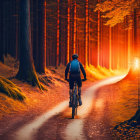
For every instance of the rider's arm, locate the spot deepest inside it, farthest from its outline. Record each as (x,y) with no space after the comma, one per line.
(67,70)
(83,70)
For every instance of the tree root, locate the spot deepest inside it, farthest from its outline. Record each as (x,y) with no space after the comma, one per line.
(46,80)
(37,82)
(31,78)
(10,89)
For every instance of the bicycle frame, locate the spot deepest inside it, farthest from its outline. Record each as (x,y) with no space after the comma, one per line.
(74,99)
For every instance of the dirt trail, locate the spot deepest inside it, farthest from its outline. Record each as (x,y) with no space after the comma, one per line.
(74,130)
(28,131)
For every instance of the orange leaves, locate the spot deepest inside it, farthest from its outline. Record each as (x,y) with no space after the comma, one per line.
(116,10)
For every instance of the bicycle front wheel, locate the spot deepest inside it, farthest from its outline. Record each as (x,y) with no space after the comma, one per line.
(73,111)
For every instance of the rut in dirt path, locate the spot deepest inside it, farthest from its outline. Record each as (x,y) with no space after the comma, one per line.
(74,130)
(28,131)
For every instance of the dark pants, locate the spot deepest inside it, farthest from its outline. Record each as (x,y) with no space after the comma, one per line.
(73,78)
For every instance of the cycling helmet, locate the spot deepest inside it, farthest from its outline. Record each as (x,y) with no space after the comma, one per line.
(74,56)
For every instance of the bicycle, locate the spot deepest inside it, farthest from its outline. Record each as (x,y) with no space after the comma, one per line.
(75,99)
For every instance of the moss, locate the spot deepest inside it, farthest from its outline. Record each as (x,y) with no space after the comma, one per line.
(36,81)
(30,77)
(10,89)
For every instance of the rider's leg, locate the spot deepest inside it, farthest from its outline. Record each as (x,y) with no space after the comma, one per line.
(79,91)
(79,81)
(71,84)
(70,93)
(79,94)
(70,96)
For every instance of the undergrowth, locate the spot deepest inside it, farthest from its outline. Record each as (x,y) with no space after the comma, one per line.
(10,89)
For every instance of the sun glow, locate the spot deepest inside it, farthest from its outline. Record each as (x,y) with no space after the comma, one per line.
(136,63)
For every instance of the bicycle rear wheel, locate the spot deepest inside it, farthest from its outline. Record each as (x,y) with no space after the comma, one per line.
(73,106)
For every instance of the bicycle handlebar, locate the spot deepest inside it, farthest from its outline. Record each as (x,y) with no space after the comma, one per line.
(84,80)
(81,79)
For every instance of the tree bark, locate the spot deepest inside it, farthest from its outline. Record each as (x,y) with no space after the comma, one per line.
(86,34)
(58,33)
(26,68)
(35,33)
(98,46)
(129,47)
(5,28)
(110,49)
(17,29)
(1,33)
(135,54)
(41,36)
(75,20)
(89,40)
(68,32)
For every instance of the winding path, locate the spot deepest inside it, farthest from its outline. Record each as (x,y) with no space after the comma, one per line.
(77,124)
(74,129)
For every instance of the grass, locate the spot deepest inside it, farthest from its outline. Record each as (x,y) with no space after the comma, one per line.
(10,89)
(9,106)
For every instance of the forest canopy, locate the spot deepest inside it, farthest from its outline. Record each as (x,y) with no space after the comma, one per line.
(116,10)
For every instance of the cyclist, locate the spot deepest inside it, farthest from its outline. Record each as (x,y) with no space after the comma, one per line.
(74,69)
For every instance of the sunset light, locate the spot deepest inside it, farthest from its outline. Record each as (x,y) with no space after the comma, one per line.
(99,104)
(136,63)
(69,69)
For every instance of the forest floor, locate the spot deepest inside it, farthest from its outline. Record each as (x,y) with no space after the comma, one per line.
(111,105)
(12,111)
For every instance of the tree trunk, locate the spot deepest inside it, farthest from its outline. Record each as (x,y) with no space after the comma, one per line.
(68,32)
(5,27)
(35,33)
(26,68)
(1,33)
(110,54)
(135,54)
(129,47)
(12,29)
(101,43)
(89,28)
(41,36)
(75,20)
(60,31)
(86,35)
(98,46)
(58,34)
(17,29)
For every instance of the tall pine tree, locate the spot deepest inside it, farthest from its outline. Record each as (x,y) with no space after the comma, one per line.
(26,68)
